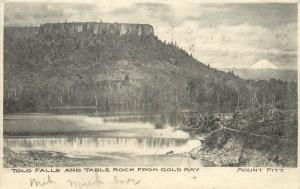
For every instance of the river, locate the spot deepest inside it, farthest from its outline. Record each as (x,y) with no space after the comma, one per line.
(98,142)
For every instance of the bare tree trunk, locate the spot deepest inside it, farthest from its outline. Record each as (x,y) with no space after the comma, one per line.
(238,103)
(96,101)
(61,99)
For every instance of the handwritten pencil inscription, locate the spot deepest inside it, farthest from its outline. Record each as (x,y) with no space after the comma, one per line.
(76,183)
(38,183)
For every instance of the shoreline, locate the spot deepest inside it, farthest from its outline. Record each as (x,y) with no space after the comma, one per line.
(231,157)
(232,143)
(37,159)
(224,143)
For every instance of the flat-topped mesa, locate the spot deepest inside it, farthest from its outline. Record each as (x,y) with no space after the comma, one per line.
(98,28)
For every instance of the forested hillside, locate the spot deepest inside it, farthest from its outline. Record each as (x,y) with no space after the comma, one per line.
(129,72)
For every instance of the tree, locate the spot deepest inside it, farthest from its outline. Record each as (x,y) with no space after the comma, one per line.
(126,79)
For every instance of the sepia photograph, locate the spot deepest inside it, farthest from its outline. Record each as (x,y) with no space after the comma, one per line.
(150,84)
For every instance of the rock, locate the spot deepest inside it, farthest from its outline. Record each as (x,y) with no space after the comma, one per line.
(277,159)
(170,152)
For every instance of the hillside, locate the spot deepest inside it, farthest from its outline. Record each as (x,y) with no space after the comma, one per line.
(255,137)
(120,67)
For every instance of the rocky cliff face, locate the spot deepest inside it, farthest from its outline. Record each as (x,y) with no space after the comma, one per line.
(99,28)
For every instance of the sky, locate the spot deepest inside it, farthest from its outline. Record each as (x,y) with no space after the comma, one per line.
(224,35)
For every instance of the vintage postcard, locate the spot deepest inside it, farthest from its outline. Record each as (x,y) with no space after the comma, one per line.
(149,94)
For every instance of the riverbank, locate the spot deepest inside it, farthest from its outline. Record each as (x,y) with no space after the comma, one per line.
(250,138)
(37,159)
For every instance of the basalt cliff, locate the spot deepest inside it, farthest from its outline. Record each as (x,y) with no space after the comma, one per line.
(98,28)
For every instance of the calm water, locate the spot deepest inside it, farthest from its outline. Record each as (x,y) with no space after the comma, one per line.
(98,143)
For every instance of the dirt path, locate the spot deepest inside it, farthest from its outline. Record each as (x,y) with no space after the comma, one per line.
(256,134)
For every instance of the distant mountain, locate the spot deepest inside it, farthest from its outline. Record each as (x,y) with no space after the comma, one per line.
(117,67)
(265,74)
(264,64)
